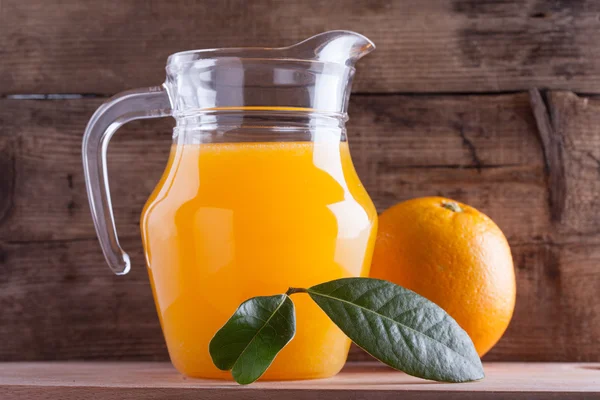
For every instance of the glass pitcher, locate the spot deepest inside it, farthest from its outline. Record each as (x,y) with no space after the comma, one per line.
(259,194)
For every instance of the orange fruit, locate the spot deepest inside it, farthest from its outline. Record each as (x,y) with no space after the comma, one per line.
(453,255)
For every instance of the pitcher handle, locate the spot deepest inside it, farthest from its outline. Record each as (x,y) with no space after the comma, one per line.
(126,106)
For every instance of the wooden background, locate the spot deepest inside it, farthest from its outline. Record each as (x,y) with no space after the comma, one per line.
(489,102)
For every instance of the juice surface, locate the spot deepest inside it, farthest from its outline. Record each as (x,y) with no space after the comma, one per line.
(230,221)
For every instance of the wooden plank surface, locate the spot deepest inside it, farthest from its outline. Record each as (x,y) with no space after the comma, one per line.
(423,45)
(485,150)
(479,149)
(367,381)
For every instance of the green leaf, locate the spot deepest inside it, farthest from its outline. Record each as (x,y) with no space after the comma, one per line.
(400,328)
(249,341)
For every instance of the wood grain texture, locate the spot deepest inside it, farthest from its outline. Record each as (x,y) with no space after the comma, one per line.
(109,381)
(58,300)
(575,121)
(423,46)
(552,145)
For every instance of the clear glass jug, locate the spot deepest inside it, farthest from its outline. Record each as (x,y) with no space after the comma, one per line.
(259,194)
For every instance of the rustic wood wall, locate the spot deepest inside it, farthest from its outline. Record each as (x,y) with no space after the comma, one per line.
(448,105)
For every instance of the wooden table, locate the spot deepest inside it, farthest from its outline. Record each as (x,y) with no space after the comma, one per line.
(147,380)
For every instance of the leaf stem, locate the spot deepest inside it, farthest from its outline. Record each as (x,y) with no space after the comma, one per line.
(293,290)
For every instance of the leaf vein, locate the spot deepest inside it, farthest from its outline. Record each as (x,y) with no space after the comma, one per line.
(390,319)
(259,331)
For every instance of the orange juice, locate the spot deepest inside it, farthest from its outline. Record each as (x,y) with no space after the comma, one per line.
(230,221)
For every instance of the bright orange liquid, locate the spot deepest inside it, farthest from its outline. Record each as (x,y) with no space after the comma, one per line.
(231,221)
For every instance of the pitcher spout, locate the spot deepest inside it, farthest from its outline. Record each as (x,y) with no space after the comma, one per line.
(340,47)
